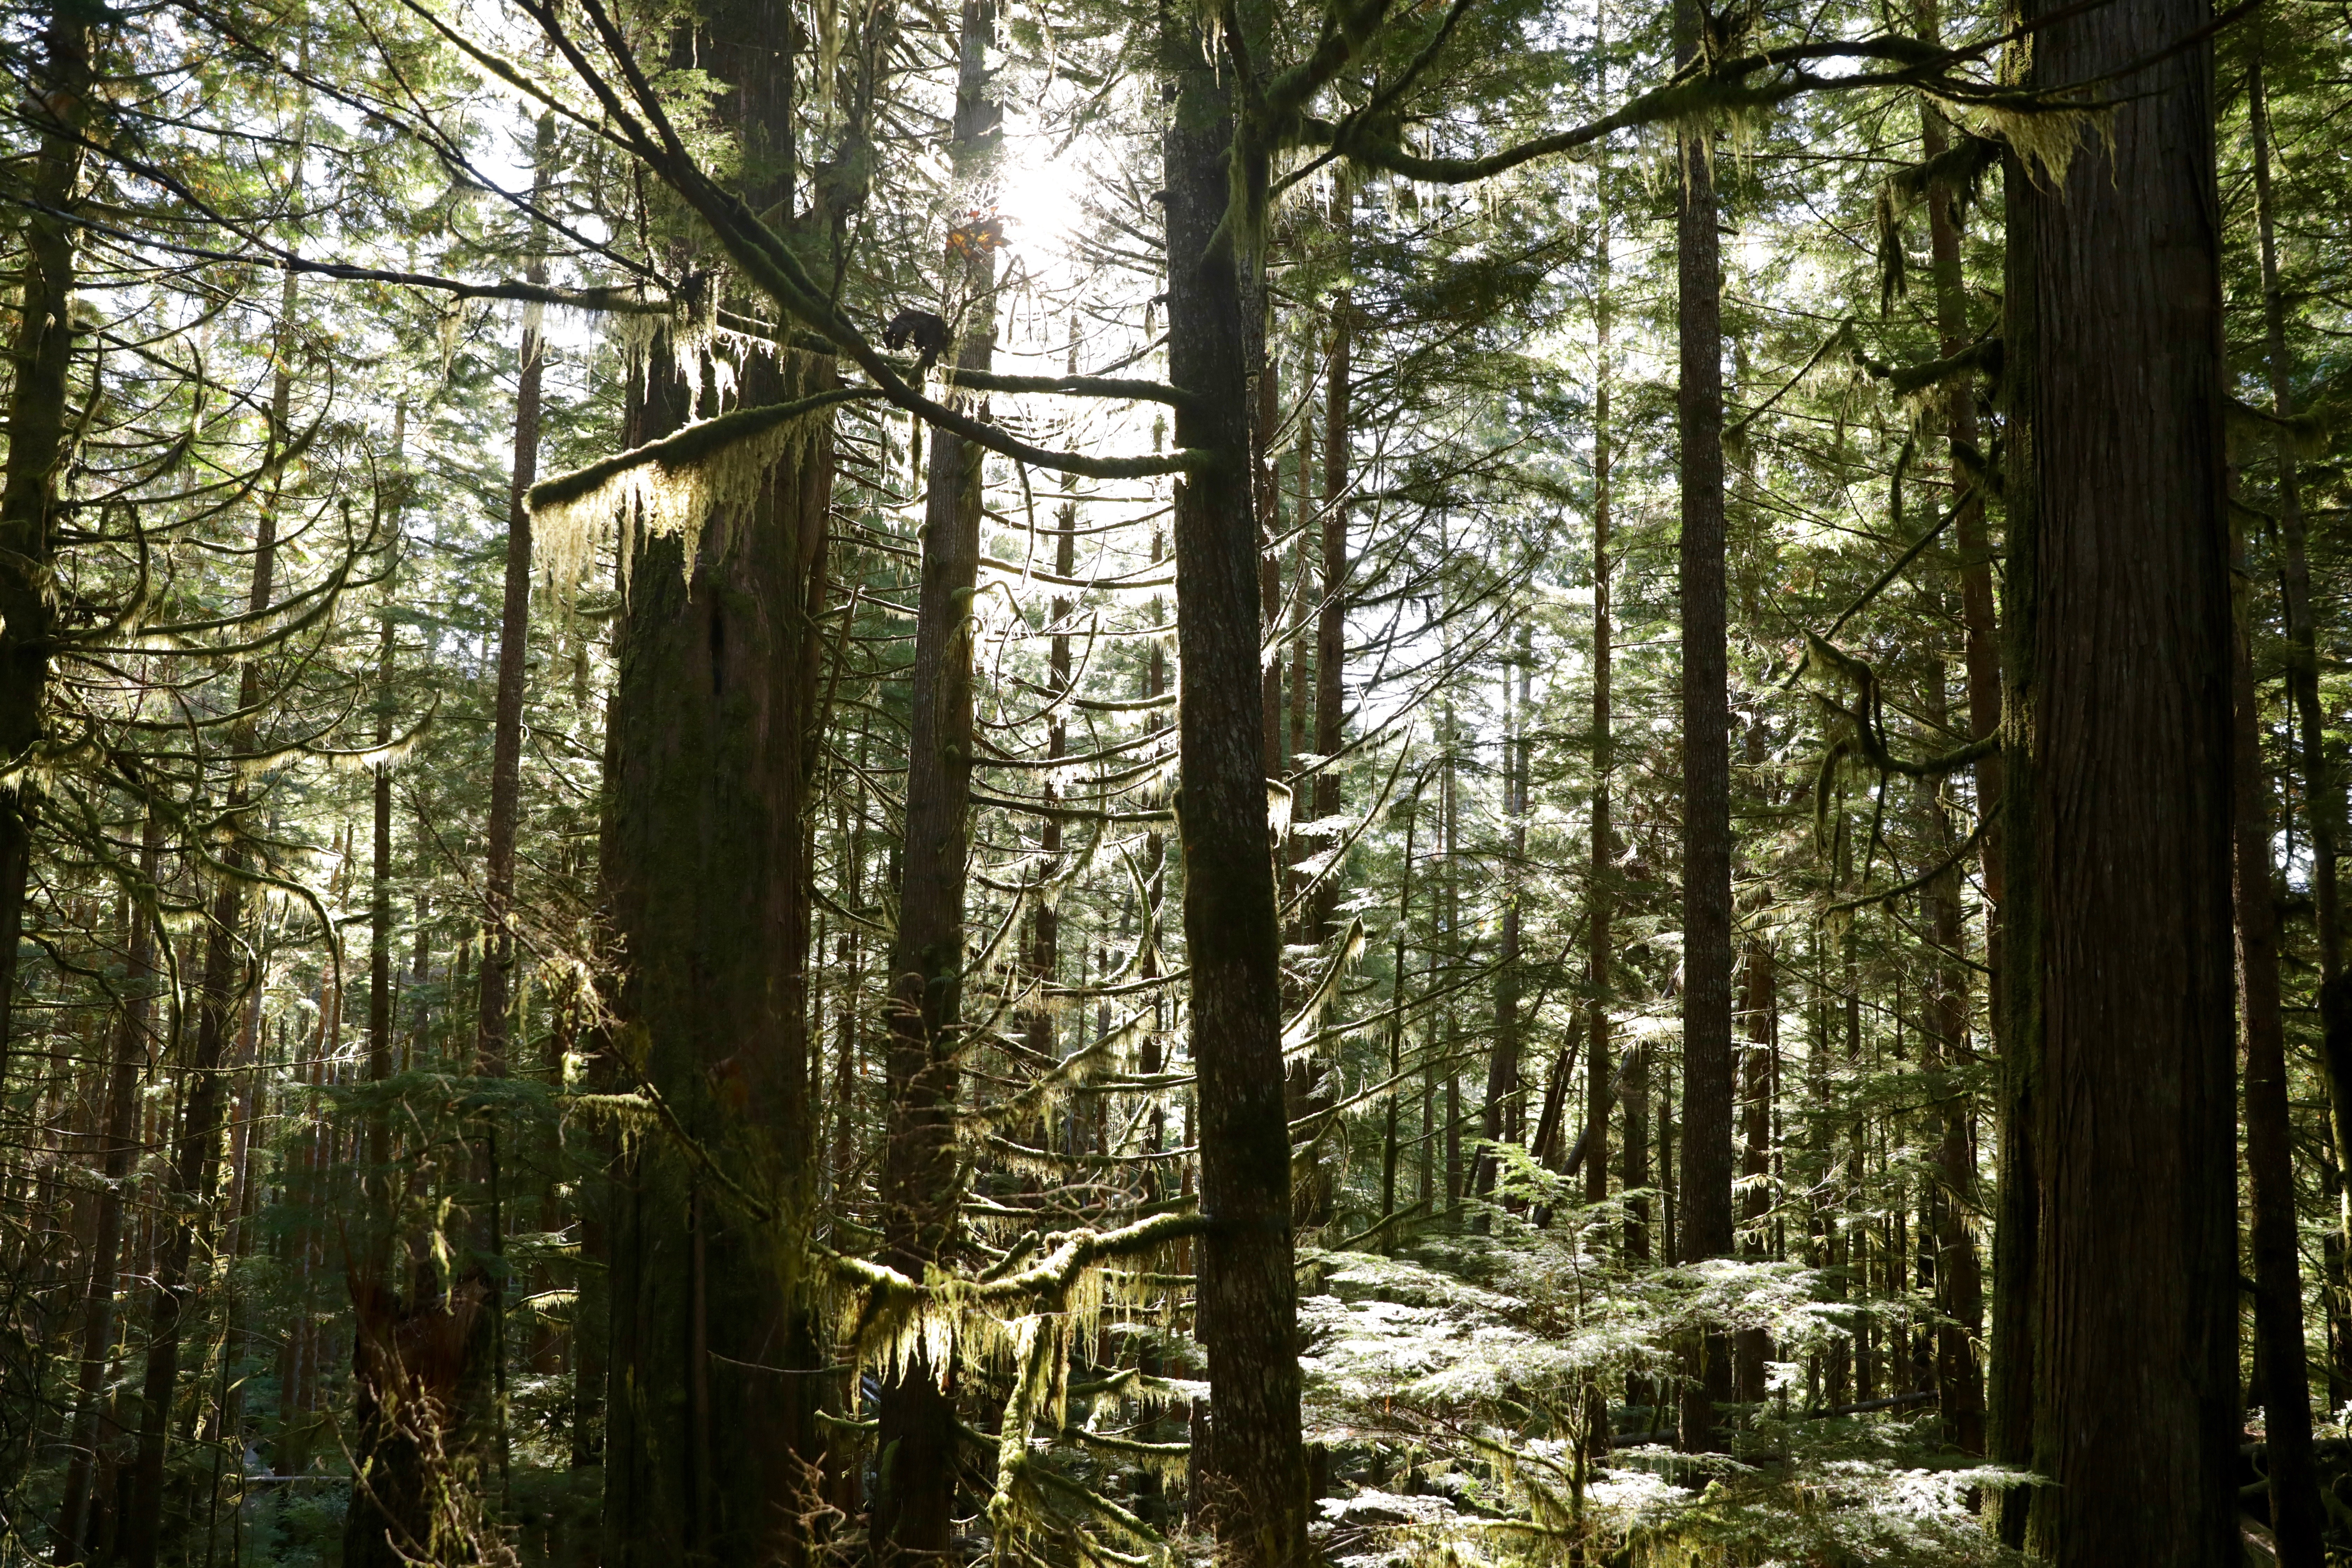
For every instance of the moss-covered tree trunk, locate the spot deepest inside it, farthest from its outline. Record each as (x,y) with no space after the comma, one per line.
(41,420)
(710,1432)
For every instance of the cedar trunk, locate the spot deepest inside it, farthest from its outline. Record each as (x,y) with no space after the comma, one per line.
(709,1413)
(2118,809)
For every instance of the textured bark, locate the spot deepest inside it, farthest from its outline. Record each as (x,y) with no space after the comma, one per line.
(710,1414)
(2118,809)
(1705,1184)
(1254,1483)
(41,420)
(2282,1376)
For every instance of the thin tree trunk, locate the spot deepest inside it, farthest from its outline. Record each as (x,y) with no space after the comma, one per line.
(1601,892)
(496,999)
(2282,1375)
(1331,616)
(1705,1228)
(913,1505)
(2117,807)
(195,1170)
(1958,1273)
(121,1148)
(1254,1480)
(1502,1058)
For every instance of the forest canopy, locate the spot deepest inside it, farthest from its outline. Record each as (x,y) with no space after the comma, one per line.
(1273,782)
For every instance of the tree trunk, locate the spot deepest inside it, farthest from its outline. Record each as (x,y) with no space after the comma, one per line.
(41,422)
(2117,807)
(913,1504)
(196,1168)
(709,1417)
(118,1141)
(1502,1086)
(495,997)
(1254,1483)
(1705,1184)
(2282,1375)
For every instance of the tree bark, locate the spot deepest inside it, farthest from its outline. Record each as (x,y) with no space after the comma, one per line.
(496,991)
(41,421)
(2117,807)
(917,1468)
(195,1171)
(118,1142)
(1706,1229)
(2282,1375)
(711,1411)
(1254,1483)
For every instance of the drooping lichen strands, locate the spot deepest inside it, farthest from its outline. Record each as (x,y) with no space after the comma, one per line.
(671,486)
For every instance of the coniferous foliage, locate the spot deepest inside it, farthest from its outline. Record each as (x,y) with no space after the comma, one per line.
(1522,781)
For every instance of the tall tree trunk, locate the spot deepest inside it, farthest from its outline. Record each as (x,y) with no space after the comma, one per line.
(1601,891)
(913,1506)
(710,1414)
(1253,1477)
(2117,807)
(495,995)
(2322,793)
(117,1139)
(1705,1184)
(1751,1347)
(195,1170)
(41,421)
(1958,1273)
(1502,1058)
(2282,1375)
(1331,616)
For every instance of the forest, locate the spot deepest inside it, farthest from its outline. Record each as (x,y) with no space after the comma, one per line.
(1388,784)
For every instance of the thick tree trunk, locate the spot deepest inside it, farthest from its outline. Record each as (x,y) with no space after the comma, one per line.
(918,1463)
(709,1417)
(41,421)
(1705,1228)
(2117,807)
(1253,1485)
